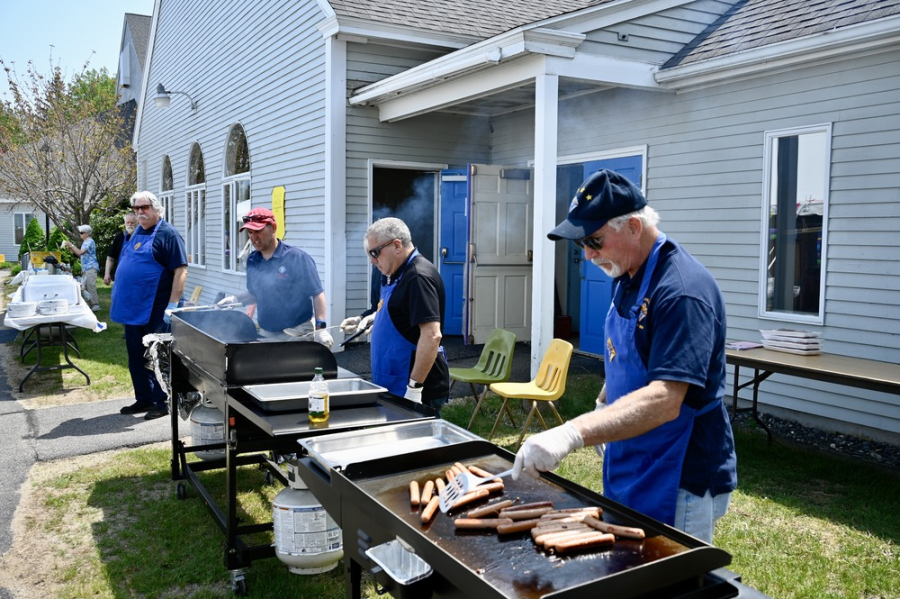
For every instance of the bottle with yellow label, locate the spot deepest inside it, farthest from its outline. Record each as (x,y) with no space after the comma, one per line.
(318,398)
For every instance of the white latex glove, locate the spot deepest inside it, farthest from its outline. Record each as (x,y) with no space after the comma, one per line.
(355,323)
(324,337)
(545,451)
(414,395)
(227,300)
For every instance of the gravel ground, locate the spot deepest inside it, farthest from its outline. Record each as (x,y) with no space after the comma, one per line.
(866,450)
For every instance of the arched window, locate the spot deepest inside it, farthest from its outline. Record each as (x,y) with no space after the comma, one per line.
(195,208)
(167,191)
(236,201)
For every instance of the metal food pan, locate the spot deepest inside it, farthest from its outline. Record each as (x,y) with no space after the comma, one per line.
(281,397)
(342,449)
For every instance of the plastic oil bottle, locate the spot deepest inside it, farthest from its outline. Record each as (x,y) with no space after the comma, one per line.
(318,399)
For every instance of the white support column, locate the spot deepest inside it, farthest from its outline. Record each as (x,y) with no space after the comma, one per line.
(546,108)
(335,267)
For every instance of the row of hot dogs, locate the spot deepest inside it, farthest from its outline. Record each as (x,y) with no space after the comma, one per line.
(559,530)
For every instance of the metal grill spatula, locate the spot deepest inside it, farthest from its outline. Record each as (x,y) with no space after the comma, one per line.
(463,483)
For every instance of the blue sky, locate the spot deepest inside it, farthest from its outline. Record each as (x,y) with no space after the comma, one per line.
(75,29)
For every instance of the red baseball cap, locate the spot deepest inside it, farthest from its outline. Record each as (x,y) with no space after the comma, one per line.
(257,219)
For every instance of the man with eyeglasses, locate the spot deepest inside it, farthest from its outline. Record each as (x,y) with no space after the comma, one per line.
(150,276)
(406,353)
(669,448)
(283,282)
(89,265)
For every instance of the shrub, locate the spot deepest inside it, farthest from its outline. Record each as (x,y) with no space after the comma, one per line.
(33,240)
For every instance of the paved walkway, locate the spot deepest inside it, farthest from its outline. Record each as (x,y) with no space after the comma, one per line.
(30,436)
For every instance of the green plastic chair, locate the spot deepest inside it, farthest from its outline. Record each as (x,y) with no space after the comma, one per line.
(494,366)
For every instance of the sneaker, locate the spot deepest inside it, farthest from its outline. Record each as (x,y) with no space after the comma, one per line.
(155,413)
(95,308)
(136,408)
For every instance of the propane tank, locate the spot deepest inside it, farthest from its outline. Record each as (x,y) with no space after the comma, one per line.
(307,539)
(207,427)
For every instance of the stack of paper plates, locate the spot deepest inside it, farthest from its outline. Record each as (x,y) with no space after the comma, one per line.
(805,343)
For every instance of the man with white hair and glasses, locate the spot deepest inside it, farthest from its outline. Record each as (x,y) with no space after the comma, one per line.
(669,445)
(149,282)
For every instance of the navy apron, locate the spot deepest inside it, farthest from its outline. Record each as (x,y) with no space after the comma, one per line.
(391,351)
(137,279)
(642,473)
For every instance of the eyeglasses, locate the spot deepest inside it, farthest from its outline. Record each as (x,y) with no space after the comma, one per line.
(142,207)
(592,243)
(257,219)
(376,251)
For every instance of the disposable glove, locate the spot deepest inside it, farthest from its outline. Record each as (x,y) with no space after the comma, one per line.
(324,337)
(414,395)
(355,323)
(167,318)
(227,300)
(545,451)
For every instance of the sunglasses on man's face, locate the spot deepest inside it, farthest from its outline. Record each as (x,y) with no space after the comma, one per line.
(142,207)
(375,252)
(592,243)
(257,219)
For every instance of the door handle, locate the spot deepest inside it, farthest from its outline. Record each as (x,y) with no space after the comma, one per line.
(443,252)
(530,255)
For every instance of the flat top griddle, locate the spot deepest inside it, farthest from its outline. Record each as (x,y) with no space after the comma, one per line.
(512,565)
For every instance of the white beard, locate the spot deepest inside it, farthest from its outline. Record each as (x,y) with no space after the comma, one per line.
(611,269)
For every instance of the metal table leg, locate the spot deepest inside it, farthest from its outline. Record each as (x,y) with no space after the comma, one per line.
(758,377)
(64,342)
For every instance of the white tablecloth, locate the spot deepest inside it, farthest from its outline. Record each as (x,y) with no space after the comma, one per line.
(78,315)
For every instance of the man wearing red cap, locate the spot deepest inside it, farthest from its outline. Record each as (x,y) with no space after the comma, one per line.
(669,445)
(284,283)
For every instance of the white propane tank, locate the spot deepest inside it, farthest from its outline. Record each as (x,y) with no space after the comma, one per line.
(207,427)
(306,537)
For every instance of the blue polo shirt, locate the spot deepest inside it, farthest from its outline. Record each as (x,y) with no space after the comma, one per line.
(283,286)
(682,338)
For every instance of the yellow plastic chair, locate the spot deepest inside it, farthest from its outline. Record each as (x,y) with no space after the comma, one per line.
(494,366)
(195,296)
(548,386)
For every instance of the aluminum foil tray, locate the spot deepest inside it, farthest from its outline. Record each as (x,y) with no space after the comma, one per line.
(294,396)
(338,450)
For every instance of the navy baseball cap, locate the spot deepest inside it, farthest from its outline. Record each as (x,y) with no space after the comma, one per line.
(600,198)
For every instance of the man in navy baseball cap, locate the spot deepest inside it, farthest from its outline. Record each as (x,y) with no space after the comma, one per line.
(600,198)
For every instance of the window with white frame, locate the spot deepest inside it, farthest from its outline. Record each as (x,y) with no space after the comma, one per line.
(236,201)
(195,209)
(794,224)
(167,192)
(20,224)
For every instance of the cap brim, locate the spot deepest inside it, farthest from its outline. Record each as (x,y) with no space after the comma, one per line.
(575,229)
(254,226)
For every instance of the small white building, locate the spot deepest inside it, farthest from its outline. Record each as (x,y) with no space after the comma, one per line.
(765,133)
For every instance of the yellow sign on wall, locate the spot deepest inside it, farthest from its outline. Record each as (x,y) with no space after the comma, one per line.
(37,258)
(278,210)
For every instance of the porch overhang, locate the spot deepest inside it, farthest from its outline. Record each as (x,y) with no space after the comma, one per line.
(505,62)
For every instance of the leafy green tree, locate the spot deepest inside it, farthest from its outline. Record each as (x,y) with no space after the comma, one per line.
(63,145)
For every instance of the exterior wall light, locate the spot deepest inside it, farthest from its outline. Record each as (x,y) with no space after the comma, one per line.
(163,97)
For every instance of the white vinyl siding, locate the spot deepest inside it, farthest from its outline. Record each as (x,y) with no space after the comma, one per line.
(260,64)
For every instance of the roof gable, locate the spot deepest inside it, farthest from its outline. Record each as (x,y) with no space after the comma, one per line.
(139,26)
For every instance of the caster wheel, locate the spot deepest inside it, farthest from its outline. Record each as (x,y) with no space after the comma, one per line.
(180,491)
(239,587)
(270,479)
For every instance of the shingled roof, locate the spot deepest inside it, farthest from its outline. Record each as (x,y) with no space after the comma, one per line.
(461,17)
(139,25)
(753,24)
